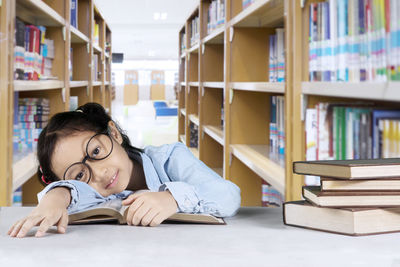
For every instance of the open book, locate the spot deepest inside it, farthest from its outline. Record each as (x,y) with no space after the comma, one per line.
(114,211)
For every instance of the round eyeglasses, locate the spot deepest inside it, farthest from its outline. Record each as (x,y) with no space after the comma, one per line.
(98,147)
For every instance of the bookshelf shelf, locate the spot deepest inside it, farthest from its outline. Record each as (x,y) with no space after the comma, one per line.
(78,37)
(365,90)
(215,37)
(220,171)
(256,158)
(183,83)
(194,118)
(195,151)
(219,85)
(39,13)
(73,84)
(24,167)
(107,55)
(96,83)
(37,85)
(215,132)
(96,49)
(195,84)
(387,91)
(183,55)
(106,83)
(183,111)
(182,138)
(259,14)
(266,87)
(194,49)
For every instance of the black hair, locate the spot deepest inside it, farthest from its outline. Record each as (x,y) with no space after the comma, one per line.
(88,117)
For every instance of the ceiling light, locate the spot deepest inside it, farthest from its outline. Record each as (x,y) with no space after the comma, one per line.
(156,15)
(164,16)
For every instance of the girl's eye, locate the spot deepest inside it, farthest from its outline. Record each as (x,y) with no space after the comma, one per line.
(96,152)
(79,176)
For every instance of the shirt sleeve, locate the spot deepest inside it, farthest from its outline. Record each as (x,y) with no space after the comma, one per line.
(83,196)
(198,189)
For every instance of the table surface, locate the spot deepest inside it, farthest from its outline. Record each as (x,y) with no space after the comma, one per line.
(254,237)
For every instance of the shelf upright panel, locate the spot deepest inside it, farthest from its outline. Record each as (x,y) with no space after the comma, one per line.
(249,91)
(80,54)
(226,124)
(7,17)
(291,128)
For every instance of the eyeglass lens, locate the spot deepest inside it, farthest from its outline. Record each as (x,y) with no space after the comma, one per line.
(99,147)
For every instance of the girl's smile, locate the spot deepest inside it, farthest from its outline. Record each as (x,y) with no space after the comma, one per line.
(113,181)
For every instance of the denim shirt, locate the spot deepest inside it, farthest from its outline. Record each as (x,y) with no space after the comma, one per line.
(195,187)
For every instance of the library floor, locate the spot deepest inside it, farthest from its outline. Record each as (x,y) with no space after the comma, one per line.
(141,125)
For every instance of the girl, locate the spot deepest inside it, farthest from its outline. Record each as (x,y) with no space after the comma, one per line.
(86,159)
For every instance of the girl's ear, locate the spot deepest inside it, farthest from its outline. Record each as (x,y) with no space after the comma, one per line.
(114,133)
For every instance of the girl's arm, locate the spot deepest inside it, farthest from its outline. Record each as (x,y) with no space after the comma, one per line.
(51,210)
(198,189)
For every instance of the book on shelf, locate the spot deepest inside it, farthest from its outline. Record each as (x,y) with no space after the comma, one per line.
(353,131)
(74,13)
(354,41)
(32,115)
(350,169)
(277,56)
(215,15)
(194,30)
(270,196)
(277,126)
(194,135)
(114,211)
(348,221)
(96,33)
(247,3)
(33,53)
(340,199)
(330,184)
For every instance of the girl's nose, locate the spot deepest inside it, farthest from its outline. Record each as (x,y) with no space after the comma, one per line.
(99,171)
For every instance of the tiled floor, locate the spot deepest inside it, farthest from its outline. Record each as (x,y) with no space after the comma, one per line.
(141,125)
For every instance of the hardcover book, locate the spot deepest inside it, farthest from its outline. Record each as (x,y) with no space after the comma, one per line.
(328,184)
(350,169)
(348,221)
(351,198)
(114,211)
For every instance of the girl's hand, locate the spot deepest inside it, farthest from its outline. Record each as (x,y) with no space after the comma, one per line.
(51,210)
(150,208)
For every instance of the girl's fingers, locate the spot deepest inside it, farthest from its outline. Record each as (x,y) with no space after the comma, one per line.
(29,223)
(157,220)
(15,228)
(140,213)
(132,209)
(63,223)
(148,217)
(130,199)
(44,226)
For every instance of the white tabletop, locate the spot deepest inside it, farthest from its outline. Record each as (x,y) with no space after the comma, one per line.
(254,237)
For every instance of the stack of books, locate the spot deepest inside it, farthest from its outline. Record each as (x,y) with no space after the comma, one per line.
(33,114)
(356,197)
(33,54)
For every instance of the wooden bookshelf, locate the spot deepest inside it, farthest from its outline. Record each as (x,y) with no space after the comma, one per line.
(21,86)
(20,169)
(225,84)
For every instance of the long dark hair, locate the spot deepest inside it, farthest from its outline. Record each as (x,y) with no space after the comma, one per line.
(89,117)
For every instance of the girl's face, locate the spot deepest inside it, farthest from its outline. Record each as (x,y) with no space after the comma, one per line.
(110,175)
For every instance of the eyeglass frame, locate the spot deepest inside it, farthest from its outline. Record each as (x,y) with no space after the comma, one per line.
(90,158)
